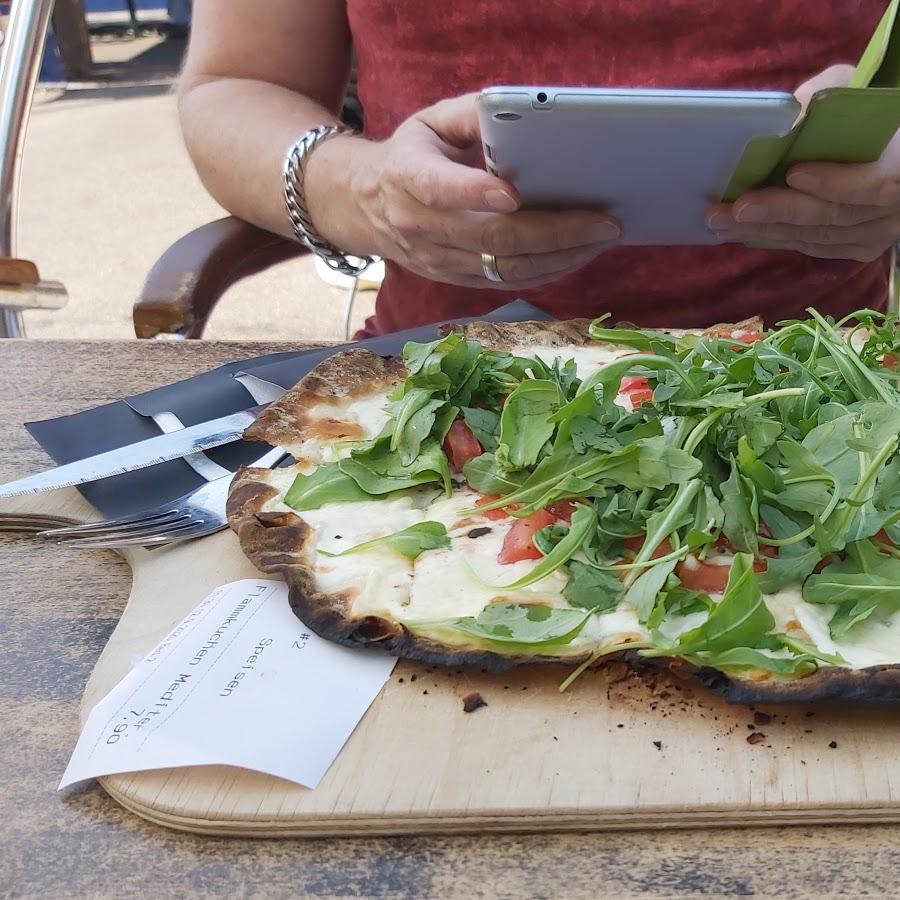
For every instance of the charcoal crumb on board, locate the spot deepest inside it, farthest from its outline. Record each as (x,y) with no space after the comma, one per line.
(761,718)
(473,701)
(413,676)
(833,745)
(756,738)
(658,745)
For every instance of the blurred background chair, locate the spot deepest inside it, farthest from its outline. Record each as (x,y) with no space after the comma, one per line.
(186,282)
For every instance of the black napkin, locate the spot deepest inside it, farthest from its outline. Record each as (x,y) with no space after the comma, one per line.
(198,399)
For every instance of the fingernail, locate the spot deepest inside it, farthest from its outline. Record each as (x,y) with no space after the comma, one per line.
(604,231)
(752,213)
(803,182)
(501,201)
(720,220)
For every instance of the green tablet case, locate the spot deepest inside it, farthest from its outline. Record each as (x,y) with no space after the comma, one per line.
(845,124)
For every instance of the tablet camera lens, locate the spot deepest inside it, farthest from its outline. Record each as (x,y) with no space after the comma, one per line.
(541,97)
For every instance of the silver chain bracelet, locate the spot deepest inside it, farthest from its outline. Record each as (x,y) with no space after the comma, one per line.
(295,200)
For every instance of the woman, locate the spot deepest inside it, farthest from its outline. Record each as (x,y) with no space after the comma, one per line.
(260,76)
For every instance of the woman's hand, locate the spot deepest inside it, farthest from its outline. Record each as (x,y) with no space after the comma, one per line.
(828,210)
(419,199)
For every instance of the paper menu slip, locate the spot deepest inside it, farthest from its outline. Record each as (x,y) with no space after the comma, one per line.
(239,682)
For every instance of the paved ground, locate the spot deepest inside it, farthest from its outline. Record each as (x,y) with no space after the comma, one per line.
(107,186)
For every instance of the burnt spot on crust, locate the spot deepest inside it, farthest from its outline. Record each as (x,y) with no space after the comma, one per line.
(247,495)
(340,379)
(874,685)
(273,541)
(333,429)
(373,629)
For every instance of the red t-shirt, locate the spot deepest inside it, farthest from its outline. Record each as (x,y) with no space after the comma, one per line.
(412,53)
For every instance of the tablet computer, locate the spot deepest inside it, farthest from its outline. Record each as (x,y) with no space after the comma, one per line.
(655,159)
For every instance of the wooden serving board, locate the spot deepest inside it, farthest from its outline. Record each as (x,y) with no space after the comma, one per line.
(612,752)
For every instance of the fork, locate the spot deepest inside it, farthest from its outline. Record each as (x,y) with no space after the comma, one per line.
(193,515)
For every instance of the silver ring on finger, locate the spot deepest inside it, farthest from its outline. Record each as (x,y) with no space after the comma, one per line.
(489,264)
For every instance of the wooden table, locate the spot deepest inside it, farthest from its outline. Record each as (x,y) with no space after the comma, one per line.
(57,609)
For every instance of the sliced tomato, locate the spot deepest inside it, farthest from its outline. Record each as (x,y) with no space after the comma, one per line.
(637,389)
(518,543)
(562,510)
(495,514)
(709,577)
(461,445)
(768,550)
(723,545)
(635,543)
(890,360)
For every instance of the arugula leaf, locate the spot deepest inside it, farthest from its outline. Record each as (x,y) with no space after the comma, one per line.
(591,433)
(762,433)
(751,658)
(327,484)
(485,425)
(484,476)
(754,468)
(805,648)
(828,443)
(795,561)
(584,520)
(379,470)
(590,588)
(849,614)
(806,481)
(739,504)
(640,339)
(410,542)
(740,618)
(643,593)
(518,623)
(664,523)
(549,536)
(724,400)
(651,462)
(678,602)
(839,587)
(414,418)
(858,585)
(524,423)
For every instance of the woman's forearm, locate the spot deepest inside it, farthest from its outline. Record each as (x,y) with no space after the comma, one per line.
(256,77)
(237,132)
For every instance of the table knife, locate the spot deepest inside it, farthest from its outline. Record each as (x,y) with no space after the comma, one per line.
(149,452)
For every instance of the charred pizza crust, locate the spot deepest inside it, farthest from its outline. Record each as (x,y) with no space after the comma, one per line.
(337,381)
(277,542)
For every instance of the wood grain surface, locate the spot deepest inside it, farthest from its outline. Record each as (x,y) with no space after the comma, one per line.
(57,609)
